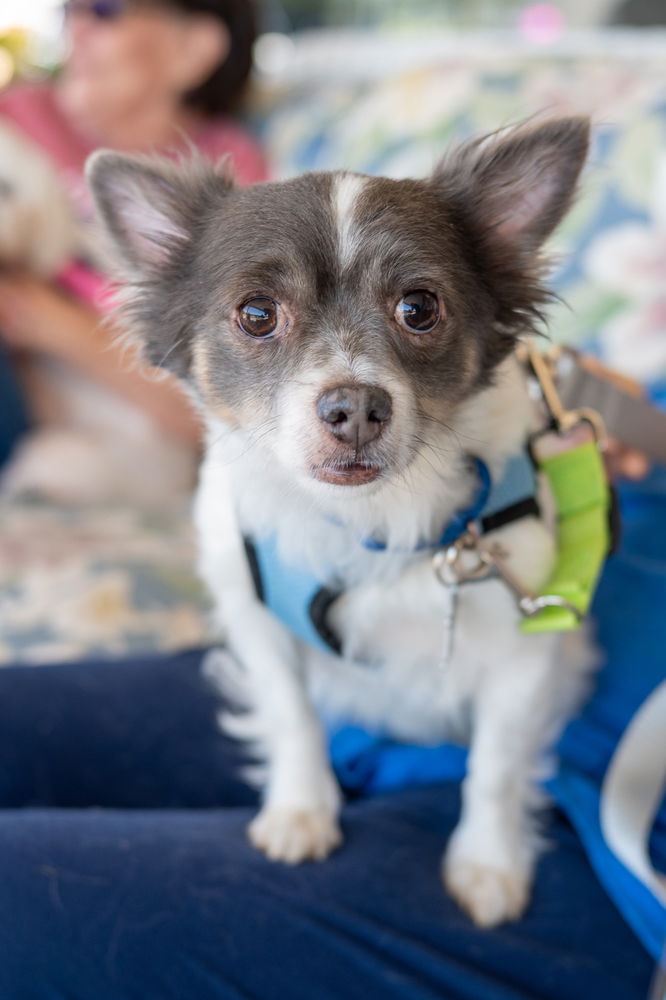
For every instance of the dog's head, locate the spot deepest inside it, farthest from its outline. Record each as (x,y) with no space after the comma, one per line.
(337,318)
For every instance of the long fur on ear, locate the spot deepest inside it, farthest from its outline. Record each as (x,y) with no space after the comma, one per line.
(150,210)
(148,205)
(519,183)
(509,190)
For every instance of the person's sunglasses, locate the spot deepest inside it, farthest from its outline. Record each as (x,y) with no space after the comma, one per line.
(101,10)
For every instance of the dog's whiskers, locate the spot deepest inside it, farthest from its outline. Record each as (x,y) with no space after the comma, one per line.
(453,431)
(174,347)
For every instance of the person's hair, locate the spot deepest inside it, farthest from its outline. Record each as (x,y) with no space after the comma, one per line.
(223,89)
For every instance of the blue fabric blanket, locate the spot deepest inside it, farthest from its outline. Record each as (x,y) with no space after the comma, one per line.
(156,893)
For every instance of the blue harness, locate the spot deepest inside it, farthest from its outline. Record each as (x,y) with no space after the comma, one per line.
(301,600)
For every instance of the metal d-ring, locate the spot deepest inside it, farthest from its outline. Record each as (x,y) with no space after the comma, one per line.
(531,606)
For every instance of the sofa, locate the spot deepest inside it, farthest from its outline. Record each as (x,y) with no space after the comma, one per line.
(92,580)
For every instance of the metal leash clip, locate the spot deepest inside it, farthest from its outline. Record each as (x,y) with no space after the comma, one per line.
(542,368)
(491,562)
(528,602)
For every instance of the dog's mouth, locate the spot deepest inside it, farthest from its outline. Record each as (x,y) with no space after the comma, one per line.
(347,473)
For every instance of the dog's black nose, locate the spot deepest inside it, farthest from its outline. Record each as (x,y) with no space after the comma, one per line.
(355,414)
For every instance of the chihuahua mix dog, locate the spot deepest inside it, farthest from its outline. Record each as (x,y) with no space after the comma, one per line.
(350,341)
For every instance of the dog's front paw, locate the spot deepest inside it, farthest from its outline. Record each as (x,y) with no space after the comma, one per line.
(293,835)
(491,895)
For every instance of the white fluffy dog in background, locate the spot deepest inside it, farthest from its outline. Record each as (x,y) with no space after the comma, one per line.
(90,443)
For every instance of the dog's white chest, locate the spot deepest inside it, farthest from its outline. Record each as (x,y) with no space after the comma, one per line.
(415,649)
(397,673)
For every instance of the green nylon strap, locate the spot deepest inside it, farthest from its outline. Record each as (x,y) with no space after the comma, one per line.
(578,481)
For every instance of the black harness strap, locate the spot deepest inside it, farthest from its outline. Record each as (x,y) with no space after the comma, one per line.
(528,507)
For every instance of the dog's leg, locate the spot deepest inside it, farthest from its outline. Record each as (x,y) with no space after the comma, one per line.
(489,862)
(299,818)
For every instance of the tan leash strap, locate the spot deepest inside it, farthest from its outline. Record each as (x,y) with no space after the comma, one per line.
(626,414)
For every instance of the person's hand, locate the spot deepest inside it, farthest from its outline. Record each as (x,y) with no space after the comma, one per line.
(35,315)
(623,462)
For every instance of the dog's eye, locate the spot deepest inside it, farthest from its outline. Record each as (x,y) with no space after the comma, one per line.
(418,311)
(258,317)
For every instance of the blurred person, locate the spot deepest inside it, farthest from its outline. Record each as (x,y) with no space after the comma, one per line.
(142,76)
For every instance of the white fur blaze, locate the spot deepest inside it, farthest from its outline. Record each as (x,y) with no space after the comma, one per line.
(347,190)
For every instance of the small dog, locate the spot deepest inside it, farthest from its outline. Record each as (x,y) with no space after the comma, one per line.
(350,342)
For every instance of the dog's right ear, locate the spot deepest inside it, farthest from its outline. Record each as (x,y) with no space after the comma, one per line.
(515,186)
(147,205)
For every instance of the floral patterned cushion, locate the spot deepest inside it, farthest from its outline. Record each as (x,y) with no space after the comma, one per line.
(96,581)
(79,582)
(613,244)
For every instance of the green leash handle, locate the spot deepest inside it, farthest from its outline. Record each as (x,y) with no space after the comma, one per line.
(582,497)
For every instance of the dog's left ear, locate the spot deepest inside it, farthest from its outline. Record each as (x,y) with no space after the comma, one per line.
(515,186)
(150,209)
(148,206)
